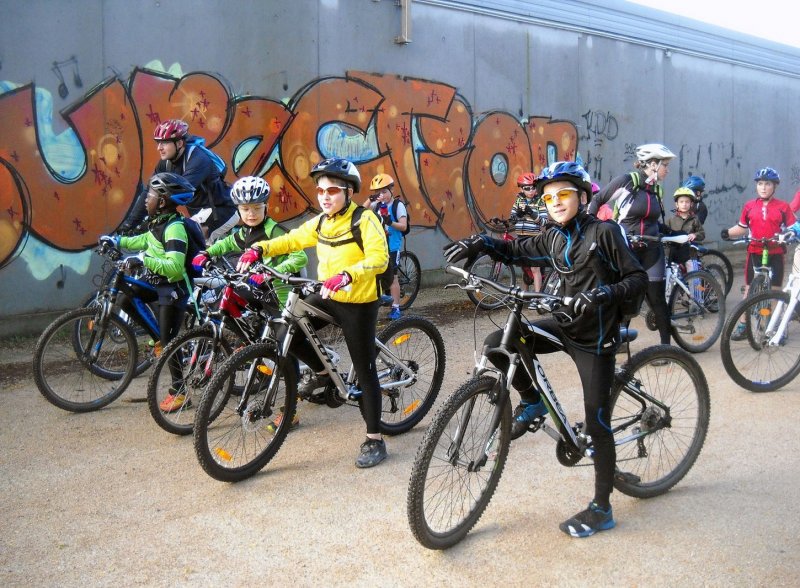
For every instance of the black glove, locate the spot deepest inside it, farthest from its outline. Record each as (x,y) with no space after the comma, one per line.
(108,241)
(589,302)
(532,213)
(464,249)
(386,220)
(133,264)
(724,234)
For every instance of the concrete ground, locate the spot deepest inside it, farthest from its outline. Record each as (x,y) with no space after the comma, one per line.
(108,498)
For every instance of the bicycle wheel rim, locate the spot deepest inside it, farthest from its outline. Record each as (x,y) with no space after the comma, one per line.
(662,457)
(409,276)
(445,498)
(485,267)
(67,377)
(697,316)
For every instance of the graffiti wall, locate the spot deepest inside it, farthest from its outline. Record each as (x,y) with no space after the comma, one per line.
(454,167)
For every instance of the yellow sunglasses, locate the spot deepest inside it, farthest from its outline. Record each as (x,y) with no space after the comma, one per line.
(561,195)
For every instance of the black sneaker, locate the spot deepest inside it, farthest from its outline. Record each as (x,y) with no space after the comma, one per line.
(524,414)
(373,452)
(588,522)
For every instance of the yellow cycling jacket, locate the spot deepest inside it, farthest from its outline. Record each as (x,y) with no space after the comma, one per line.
(362,266)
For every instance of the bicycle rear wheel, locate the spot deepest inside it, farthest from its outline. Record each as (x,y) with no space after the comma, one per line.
(247,432)
(699,314)
(80,365)
(409,274)
(451,483)
(712,257)
(195,356)
(755,363)
(660,413)
(417,345)
(496,271)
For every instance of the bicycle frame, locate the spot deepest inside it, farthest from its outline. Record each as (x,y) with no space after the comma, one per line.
(776,327)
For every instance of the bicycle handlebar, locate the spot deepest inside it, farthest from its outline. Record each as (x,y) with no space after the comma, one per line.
(777,238)
(677,239)
(548,302)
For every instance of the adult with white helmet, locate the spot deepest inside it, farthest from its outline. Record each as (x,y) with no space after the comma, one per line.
(636,199)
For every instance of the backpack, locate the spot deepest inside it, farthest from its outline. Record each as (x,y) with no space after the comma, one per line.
(194,142)
(635,179)
(408,216)
(195,243)
(355,230)
(629,307)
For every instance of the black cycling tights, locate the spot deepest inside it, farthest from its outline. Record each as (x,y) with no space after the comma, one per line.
(358,326)
(597,375)
(656,298)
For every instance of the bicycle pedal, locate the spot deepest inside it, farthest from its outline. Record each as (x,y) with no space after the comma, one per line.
(536,424)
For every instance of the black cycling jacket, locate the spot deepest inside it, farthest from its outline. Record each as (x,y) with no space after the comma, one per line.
(583,267)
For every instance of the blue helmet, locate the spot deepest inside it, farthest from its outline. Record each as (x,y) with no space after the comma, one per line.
(565,171)
(694,183)
(172,188)
(767,174)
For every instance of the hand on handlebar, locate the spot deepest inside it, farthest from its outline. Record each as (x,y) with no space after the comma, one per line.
(248,258)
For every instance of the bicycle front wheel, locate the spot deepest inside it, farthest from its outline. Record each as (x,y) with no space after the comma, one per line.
(660,412)
(249,427)
(496,271)
(761,361)
(409,274)
(458,464)
(414,358)
(185,368)
(81,364)
(697,313)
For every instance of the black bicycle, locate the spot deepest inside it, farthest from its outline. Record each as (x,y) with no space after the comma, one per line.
(660,415)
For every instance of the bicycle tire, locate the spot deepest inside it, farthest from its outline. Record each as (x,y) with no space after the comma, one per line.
(751,362)
(146,351)
(65,378)
(447,494)
(199,355)
(758,285)
(409,275)
(657,461)
(238,442)
(697,317)
(496,271)
(419,345)
(715,257)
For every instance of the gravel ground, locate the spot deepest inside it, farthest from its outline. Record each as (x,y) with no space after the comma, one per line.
(108,498)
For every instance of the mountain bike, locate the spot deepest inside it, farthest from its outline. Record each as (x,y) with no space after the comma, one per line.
(409,275)
(660,415)
(195,355)
(87,357)
(768,357)
(762,274)
(247,433)
(695,300)
(497,271)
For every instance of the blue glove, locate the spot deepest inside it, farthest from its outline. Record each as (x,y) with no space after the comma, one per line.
(109,241)
(589,302)
(795,228)
(464,249)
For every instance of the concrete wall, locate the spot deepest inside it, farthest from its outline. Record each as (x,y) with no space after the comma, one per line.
(483,92)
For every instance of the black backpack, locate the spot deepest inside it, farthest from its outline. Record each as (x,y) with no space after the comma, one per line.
(355,230)
(195,243)
(408,216)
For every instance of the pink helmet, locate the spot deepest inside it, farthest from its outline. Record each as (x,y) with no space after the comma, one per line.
(595,188)
(171,130)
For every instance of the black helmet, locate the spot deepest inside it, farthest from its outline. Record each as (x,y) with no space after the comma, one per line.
(338,168)
(172,187)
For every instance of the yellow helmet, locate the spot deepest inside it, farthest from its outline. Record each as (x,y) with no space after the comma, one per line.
(381,181)
(684,192)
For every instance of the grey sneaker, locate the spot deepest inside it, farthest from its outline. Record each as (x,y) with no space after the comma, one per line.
(739,333)
(372,452)
(315,381)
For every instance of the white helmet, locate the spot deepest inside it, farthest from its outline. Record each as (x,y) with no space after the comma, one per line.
(250,190)
(651,151)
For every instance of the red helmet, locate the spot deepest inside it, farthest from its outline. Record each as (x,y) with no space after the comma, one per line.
(171,130)
(527,179)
